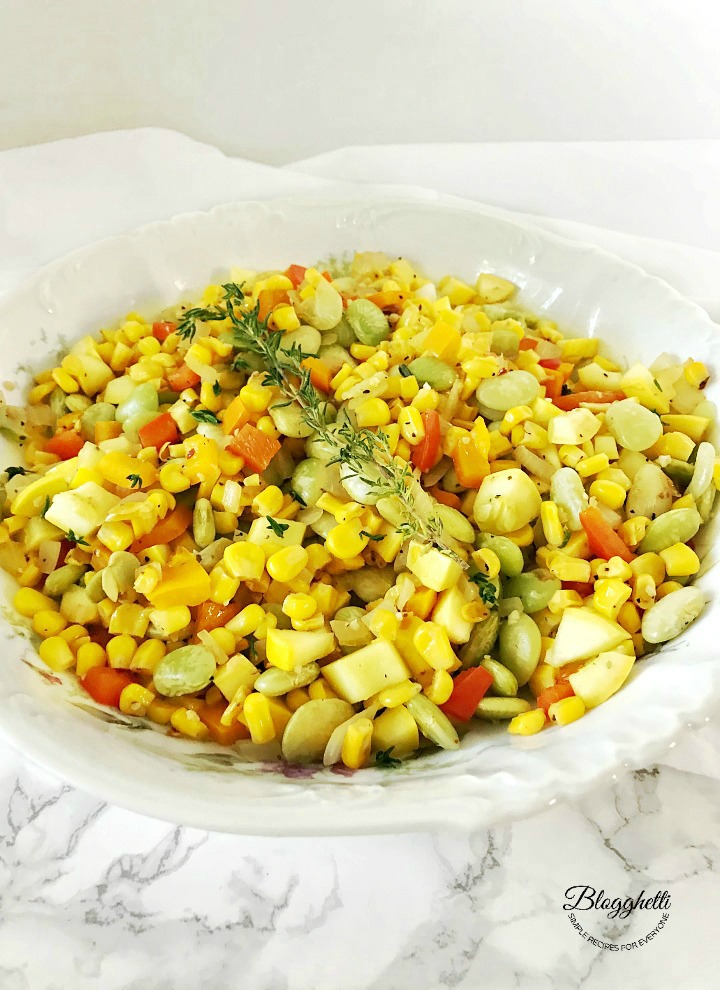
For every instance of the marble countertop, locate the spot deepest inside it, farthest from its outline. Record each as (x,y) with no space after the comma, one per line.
(96,898)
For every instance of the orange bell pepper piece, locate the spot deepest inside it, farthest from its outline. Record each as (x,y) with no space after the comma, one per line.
(235,416)
(392,299)
(181,378)
(107,430)
(182,583)
(445,498)
(159,431)
(225,735)
(162,330)
(173,525)
(296,274)
(604,541)
(65,445)
(320,373)
(471,467)
(211,615)
(255,447)
(269,299)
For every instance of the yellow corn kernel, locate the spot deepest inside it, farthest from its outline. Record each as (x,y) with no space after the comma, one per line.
(675,445)
(148,655)
(209,399)
(543,677)
(285,565)
(649,563)
(645,591)
(161,711)
(224,639)
(684,502)
(172,478)
(40,392)
(570,455)
(372,412)
(245,561)
(255,396)
(285,317)
(608,492)
(383,624)
(680,561)
(568,568)
(120,651)
(299,606)
(562,600)
(577,545)
(522,537)
(513,417)
(345,540)
(409,388)
(440,688)
(105,608)
(268,502)
(356,744)
(187,723)
(609,595)
(135,700)
(256,710)
(629,618)
(431,640)
(362,351)
(487,562)
(296,698)
(30,576)
(73,633)
(616,567)
(172,619)
(411,425)
(592,465)
(65,381)
(56,653)
(129,618)
(398,694)
(230,464)
(246,621)
(632,531)
(528,723)
(476,611)
(223,585)
(28,602)
(318,557)
(116,535)
(567,710)
(552,527)
(426,400)
(666,588)
(695,373)
(320,690)
(89,655)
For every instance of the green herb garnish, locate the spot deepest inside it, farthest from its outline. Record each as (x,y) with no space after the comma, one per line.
(13,471)
(217,388)
(77,540)
(488,591)
(375,537)
(404,371)
(277,527)
(297,498)
(46,506)
(385,760)
(565,542)
(135,480)
(204,416)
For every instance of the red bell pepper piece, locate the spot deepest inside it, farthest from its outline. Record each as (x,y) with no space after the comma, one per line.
(106,684)
(296,274)
(567,402)
(159,431)
(604,541)
(65,444)
(552,694)
(469,688)
(425,453)
(181,378)
(162,330)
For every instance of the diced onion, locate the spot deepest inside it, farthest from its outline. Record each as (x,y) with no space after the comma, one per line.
(534,464)
(333,750)
(48,555)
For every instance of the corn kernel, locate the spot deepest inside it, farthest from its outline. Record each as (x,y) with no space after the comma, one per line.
(609,596)
(476,611)
(268,502)
(357,742)
(567,710)
(645,591)
(696,373)
(649,563)
(487,562)
(172,478)
(440,688)
(562,600)
(320,690)
(72,634)
(398,694)
(411,425)
(570,455)
(629,618)
(187,723)
(680,560)
(167,621)
(89,655)
(608,492)
(345,540)
(28,602)
(383,624)
(431,640)
(246,621)
(551,524)
(135,700)
(65,381)
(148,655)
(544,676)
(245,561)
(522,537)
(120,651)
(56,653)
(256,710)
(568,568)
(129,618)
(514,417)
(528,723)
(223,585)
(286,564)
(632,531)
(161,711)
(47,622)
(426,400)
(592,465)
(666,588)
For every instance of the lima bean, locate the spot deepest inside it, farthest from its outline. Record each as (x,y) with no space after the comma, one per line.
(651,492)
(289,420)
(275,682)
(532,590)
(203,523)
(520,646)
(433,372)
(482,640)
(455,524)
(308,480)
(674,526)
(632,425)
(501,709)
(568,492)
(516,388)
(63,578)
(368,322)
(184,671)
(433,723)
(504,681)
(667,618)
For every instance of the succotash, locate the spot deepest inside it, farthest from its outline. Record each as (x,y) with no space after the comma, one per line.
(346,514)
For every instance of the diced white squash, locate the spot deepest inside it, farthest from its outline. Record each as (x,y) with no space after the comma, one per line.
(90,370)
(602,677)
(583,634)
(448,614)
(694,427)
(363,673)
(573,427)
(37,531)
(262,534)
(31,500)
(308,731)
(82,510)
(436,570)
(290,648)
(639,383)
(236,673)
(397,730)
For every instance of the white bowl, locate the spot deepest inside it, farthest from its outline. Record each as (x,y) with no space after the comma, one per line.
(493,776)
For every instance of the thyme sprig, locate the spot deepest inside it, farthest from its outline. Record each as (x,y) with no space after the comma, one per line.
(360,452)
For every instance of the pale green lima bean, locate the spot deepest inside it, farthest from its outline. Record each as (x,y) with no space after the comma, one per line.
(533,590)
(667,618)
(433,723)
(508,553)
(520,644)
(203,523)
(433,372)
(275,682)
(504,681)
(501,709)
(674,526)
